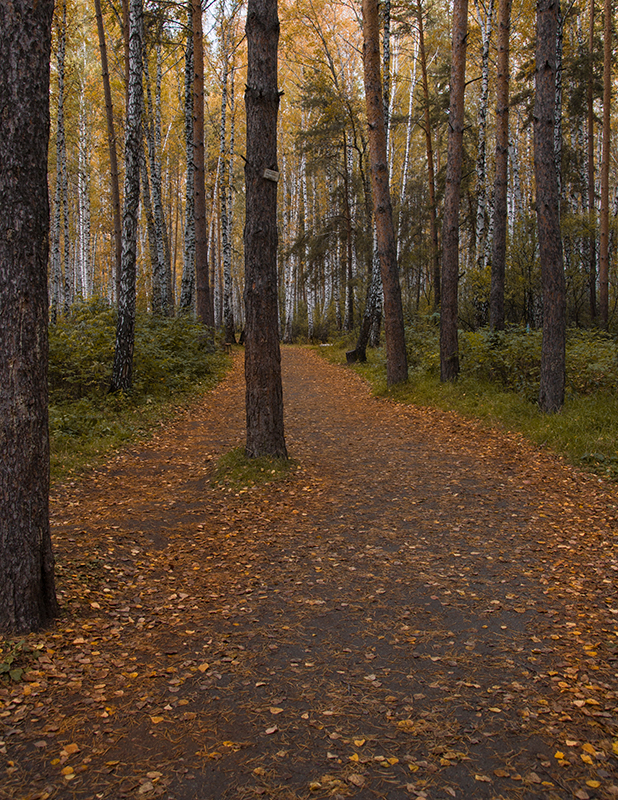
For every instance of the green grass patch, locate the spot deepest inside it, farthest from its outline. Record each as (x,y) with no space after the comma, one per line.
(235,470)
(175,361)
(499,385)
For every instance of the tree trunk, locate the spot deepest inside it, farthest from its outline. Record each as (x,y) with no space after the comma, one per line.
(551,394)
(111,143)
(264,394)
(122,370)
(433,222)
(498,258)
(449,347)
(604,214)
(83,187)
(396,359)
(481,232)
(187,285)
(205,310)
(27,594)
(592,243)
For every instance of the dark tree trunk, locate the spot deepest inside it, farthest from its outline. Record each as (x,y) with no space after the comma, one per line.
(122,370)
(204,307)
(604,211)
(498,258)
(111,143)
(187,288)
(27,595)
(264,395)
(433,222)
(396,359)
(449,346)
(551,394)
(592,239)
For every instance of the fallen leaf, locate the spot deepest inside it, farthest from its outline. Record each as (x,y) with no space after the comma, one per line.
(356,779)
(593,784)
(156,720)
(272,729)
(359,742)
(203,667)
(275,710)
(482,778)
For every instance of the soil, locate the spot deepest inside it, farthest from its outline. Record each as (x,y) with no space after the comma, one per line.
(423,608)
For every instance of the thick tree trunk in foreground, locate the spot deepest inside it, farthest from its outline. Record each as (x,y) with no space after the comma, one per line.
(264,396)
(204,305)
(449,346)
(498,258)
(27,595)
(551,394)
(122,370)
(396,359)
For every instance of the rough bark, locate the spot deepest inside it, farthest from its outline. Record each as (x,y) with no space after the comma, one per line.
(122,370)
(205,311)
(498,257)
(396,359)
(433,221)
(592,246)
(264,394)
(481,232)
(449,347)
(111,143)
(187,285)
(27,595)
(604,211)
(551,393)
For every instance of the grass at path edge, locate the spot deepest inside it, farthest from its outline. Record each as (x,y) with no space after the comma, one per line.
(585,432)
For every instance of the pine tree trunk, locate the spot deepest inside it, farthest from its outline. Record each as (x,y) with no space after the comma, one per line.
(449,348)
(551,394)
(498,258)
(27,594)
(604,213)
(187,284)
(433,221)
(592,244)
(264,394)
(396,358)
(111,143)
(122,370)
(205,309)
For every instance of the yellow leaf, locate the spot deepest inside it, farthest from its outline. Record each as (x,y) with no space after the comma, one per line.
(275,710)
(203,667)
(413,767)
(156,720)
(70,749)
(392,761)
(482,778)
(354,757)
(67,771)
(501,773)
(496,710)
(593,784)
(132,675)
(586,759)
(361,742)
(588,748)
(558,754)
(615,747)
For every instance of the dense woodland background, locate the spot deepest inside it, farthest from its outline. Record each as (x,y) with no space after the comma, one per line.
(325,225)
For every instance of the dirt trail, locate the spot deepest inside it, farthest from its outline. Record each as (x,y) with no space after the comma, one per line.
(424,609)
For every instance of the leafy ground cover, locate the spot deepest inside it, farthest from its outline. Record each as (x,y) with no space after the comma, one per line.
(175,360)
(499,385)
(423,608)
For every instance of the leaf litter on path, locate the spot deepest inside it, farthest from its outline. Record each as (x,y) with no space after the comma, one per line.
(425,607)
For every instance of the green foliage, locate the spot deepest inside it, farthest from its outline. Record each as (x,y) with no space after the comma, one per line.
(15,658)
(236,471)
(174,359)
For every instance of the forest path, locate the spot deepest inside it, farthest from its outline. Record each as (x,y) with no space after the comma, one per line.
(424,608)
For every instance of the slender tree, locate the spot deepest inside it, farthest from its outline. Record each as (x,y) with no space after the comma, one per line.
(122,370)
(205,311)
(551,394)
(187,286)
(264,395)
(449,347)
(111,144)
(604,211)
(27,594)
(498,258)
(396,359)
(592,246)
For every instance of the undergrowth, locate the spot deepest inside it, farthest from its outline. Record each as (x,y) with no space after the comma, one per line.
(499,383)
(174,360)
(235,470)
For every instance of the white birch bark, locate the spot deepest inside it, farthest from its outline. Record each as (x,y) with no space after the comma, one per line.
(187,284)
(84,267)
